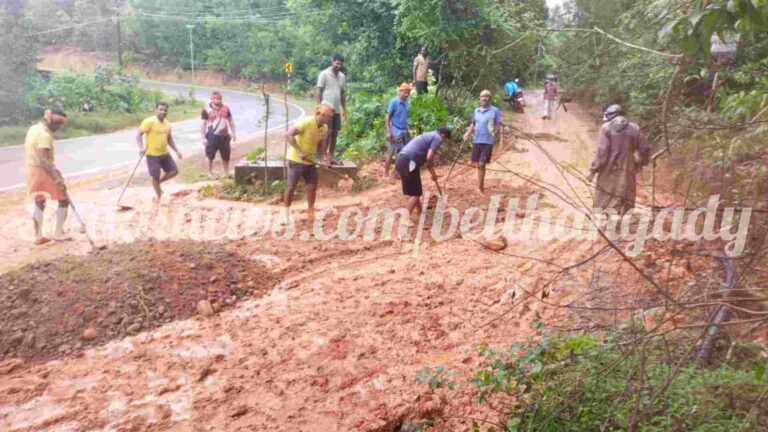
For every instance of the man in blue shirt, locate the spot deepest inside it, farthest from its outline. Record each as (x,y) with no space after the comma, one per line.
(397,124)
(485,123)
(420,151)
(511,88)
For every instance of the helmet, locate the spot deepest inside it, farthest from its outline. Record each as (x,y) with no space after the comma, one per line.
(612,112)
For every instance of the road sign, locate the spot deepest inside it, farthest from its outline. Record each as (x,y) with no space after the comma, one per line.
(288,68)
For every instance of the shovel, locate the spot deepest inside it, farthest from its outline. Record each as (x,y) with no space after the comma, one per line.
(124,207)
(82,225)
(440,191)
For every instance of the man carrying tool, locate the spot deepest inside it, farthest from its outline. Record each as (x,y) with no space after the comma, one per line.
(305,139)
(621,153)
(485,123)
(215,124)
(159,138)
(331,90)
(421,70)
(550,94)
(397,124)
(420,151)
(44,181)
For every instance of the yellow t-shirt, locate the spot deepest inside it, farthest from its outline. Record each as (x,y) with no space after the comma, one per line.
(310,135)
(38,137)
(157,135)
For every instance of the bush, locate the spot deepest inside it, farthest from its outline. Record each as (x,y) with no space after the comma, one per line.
(106,90)
(364,136)
(619,381)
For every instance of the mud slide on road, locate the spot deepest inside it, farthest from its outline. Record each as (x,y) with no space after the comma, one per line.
(337,343)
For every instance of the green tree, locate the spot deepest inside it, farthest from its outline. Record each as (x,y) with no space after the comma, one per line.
(20,56)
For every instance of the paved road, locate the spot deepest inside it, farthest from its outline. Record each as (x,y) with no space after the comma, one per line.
(87,155)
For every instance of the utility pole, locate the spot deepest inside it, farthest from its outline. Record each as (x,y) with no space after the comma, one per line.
(119,43)
(191,51)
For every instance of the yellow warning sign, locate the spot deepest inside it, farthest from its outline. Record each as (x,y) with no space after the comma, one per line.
(288,68)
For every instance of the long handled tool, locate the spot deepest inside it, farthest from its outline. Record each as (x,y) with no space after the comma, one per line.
(328,167)
(83,228)
(458,156)
(440,191)
(124,207)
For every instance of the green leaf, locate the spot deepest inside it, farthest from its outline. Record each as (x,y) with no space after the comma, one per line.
(760,372)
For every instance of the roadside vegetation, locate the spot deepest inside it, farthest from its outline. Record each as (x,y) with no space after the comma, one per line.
(102,102)
(692,74)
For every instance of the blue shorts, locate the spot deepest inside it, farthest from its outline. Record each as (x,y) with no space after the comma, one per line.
(399,141)
(156,163)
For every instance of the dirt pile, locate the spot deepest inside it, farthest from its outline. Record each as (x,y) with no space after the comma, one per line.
(64,306)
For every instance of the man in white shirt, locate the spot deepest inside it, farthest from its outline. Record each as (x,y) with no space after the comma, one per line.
(331,91)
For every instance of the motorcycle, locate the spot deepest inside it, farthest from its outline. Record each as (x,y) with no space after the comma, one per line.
(516,102)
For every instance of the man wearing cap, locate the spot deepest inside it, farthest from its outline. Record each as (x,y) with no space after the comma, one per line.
(305,139)
(331,90)
(550,94)
(159,139)
(621,153)
(485,123)
(216,122)
(397,124)
(420,151)
(44,181)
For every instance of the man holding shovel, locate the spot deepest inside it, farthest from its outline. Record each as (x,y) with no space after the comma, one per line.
(159,138)
(422,150)
(44,181)
(305,140)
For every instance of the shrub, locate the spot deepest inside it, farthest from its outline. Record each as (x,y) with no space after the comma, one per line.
(619,381)
(364,136)
(105,90)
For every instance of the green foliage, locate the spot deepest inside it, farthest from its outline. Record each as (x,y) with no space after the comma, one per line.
(227,189)
(16,69)
(617,381)
(693,30)
(364,135)
(255,155)
(106,90)
(437,378)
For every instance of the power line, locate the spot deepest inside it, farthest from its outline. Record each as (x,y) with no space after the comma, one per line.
(64,28)
(228,11)
(204,18)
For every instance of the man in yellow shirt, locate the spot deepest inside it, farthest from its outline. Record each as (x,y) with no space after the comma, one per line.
(159,138)
(305,139)
(44,181)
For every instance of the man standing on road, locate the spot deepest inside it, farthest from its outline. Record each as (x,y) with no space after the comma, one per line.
(422,150)
(421,70)
(550,94)
(485,123)
(44,181)
(215,125)
(159,138)
(621,153)
(331,90)
(397,124)
(305,139)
